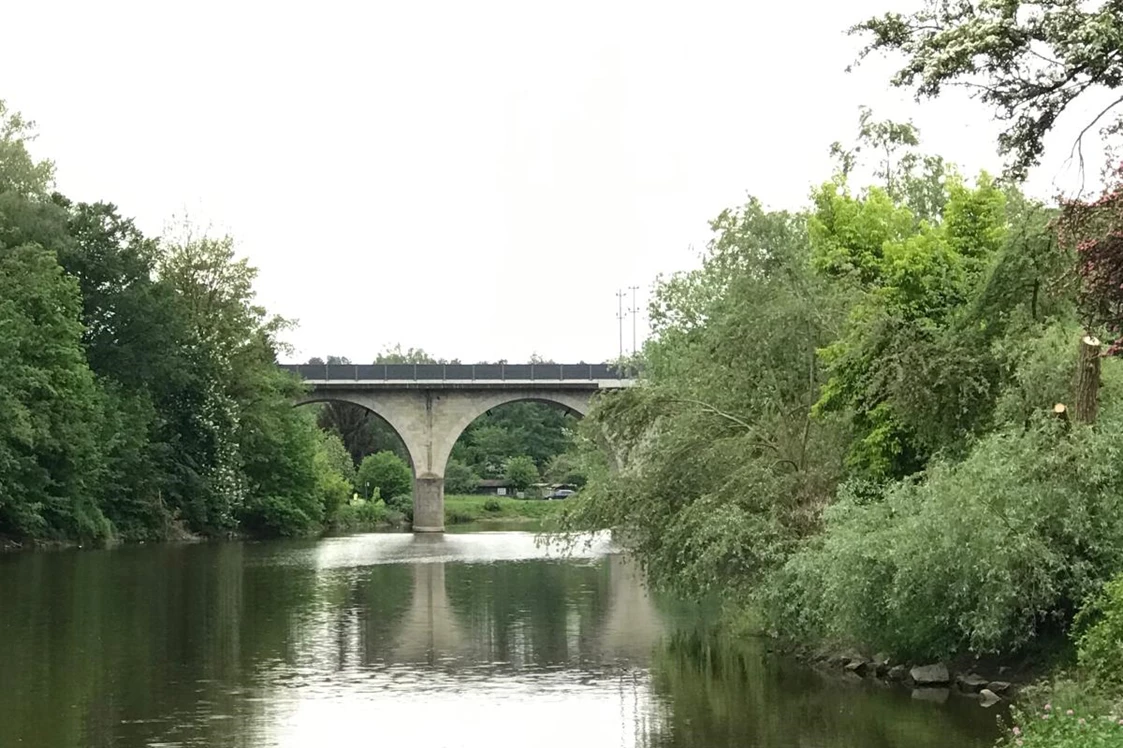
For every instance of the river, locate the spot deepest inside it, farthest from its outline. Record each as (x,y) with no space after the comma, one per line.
(476,640)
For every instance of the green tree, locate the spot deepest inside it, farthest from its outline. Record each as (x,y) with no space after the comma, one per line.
(337,457)
(714,465)
(335,474)
(1029,59)
(50,407)
(910,379)
(459,478)
(566,468)
(20,173)
(521,472)
(385,473)
(395,355)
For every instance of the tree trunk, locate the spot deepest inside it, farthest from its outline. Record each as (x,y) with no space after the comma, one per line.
(1088,380)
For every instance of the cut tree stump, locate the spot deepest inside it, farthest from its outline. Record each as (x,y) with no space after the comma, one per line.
(1087,403)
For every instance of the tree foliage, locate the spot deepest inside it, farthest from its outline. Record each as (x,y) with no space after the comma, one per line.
(842,418)
(1093,231)
(459,478)
(1028,59)
(384,474)
(140,396)
(521,472)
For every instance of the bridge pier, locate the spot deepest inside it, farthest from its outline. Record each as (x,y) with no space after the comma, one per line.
(428,504)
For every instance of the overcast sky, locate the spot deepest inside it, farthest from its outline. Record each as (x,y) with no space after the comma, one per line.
(474,178)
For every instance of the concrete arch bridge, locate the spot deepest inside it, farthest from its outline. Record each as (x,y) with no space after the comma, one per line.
(430,405)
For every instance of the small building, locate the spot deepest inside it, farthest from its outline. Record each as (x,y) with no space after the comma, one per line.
(494,487)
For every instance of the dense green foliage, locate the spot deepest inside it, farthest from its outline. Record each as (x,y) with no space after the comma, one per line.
(384,474)
(459,478)
(139,396)
(521,472)
(1100,646)
(980,556)
(847,420)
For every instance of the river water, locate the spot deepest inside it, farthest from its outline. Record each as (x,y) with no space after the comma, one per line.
(476,640)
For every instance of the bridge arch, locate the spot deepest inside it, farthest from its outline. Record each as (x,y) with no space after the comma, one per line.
(575,403)
(391,413)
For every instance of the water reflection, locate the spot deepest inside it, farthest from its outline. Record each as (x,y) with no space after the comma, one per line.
(486,639)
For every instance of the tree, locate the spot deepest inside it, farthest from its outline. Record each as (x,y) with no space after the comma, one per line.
(20,174)
(1093,232)
(335,473)
(50,407)
(336,456)
(396,355)
(521,472)
(566,469)
(889,372)
(1029,60)
(385,473)
(459,478)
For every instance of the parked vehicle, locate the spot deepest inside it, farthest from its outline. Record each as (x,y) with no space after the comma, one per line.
(561,493)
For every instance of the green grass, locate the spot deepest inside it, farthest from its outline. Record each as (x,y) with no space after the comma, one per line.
(464,509)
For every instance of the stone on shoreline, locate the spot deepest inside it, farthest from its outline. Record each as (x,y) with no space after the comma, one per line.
(930,675)
(988,697)
(972,683)
(999,687)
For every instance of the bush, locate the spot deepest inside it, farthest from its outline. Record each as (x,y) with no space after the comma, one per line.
(386,472)
(1100,647)
(360,515)
(979,556)
(493,505)
(402,504)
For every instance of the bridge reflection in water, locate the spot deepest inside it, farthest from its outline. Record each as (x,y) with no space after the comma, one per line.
(494,598)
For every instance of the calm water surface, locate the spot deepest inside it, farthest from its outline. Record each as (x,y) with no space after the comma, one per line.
(469,640)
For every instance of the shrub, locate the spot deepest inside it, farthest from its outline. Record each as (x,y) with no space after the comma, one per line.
(493,505)
(978,556)
(359,515)
(386,472)
(1100,647)
(402,504)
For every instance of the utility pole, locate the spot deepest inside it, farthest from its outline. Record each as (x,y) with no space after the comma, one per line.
(635,313)
(620,320)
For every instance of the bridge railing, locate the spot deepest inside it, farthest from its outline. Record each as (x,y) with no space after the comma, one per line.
(457,372)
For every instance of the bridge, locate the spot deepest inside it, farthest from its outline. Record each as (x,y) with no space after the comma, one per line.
(430,405)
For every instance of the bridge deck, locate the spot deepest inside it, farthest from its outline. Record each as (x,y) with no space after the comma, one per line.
(476,375)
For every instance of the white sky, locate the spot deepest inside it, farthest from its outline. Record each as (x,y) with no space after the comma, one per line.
(473,178)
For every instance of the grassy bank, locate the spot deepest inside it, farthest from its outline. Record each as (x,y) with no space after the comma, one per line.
(463,509)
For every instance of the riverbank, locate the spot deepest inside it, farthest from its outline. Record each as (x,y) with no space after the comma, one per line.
(464,509)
